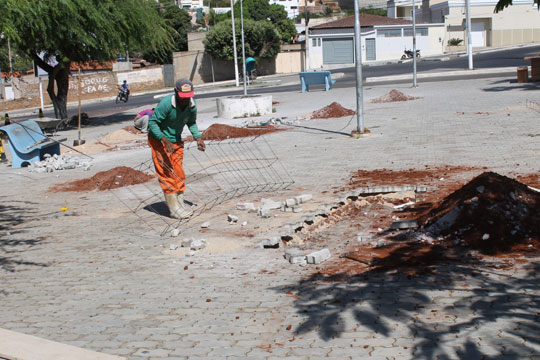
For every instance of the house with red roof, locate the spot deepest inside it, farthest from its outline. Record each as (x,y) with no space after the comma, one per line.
(382,38)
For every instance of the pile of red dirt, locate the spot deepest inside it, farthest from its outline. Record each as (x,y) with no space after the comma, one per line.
(111,179)
(224,132)
(491,213)
(393,96)
(132,129)
(334,110)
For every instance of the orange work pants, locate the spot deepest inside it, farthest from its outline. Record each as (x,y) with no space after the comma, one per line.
(169,167)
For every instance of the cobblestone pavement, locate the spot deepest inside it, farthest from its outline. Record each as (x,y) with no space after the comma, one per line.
(94,277)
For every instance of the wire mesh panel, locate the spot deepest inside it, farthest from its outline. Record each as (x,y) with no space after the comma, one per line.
(225,170)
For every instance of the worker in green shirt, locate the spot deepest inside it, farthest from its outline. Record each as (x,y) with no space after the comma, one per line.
(165,139)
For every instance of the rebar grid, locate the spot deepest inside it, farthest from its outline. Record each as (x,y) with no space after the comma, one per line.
(227,169)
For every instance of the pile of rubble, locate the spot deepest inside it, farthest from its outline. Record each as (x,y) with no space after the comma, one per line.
(192,244)
(492,213)
(393,96)
(267,205)
(59,162)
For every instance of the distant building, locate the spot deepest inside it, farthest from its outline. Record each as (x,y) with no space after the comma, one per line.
(189,4)
(291,7)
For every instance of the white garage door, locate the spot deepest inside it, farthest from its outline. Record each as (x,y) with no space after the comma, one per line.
(338,51)
(478,34)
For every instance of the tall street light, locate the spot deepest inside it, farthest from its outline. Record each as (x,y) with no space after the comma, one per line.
(234,44)
(358,67)
(243,47)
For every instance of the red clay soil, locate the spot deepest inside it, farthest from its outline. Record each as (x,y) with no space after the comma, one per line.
(393,96)
(224,132)
(492,213)
(111,179)
(334,110)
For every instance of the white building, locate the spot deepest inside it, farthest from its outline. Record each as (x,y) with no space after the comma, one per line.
(189,4)
(291,6)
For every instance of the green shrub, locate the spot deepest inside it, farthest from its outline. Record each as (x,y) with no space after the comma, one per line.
(455,41)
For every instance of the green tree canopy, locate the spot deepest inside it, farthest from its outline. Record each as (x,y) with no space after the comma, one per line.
(261,40)
(82,31)
(503,4)
(179,22)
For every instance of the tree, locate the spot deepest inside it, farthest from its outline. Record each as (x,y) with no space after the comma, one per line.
(261,40)
(180,22)
(503,4)
(82,31)
(19,61)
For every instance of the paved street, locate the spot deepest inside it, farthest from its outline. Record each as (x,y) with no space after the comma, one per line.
(94,276)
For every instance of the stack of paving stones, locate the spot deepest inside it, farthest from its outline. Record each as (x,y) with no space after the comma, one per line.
(59,162)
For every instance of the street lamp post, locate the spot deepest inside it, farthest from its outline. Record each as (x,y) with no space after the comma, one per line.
(234,44)
(414,43)
(468,24)
(243,46)
(358,67)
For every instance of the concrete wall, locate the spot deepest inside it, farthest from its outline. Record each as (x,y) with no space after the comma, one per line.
(517,24)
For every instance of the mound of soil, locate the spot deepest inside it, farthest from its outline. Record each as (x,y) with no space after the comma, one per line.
(491,213)
(224,132)
(111,179)
(393,96)
(334,110)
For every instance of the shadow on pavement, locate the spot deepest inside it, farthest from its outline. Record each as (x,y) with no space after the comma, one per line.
(12,241)
(512,85)
(452,310)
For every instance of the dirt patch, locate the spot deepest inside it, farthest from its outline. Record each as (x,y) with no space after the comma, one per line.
(491,220)
(334,110)
(111,179)
(224,132)
(393,96)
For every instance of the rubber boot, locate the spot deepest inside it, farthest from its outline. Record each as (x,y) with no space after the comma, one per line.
(185,210)
(172,204)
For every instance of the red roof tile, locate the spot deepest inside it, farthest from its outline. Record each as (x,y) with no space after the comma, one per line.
(366,20)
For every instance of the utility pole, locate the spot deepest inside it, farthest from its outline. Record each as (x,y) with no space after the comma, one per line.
(243,46)
(306,20)
(468,24)
(358,66)
(234,44)
(414,43)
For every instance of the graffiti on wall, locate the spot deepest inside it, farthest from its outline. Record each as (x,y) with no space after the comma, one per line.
(93,84)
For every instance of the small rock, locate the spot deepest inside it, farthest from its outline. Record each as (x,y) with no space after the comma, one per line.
(245,206)
(272,243)
(303,198)
(232,218)
(173,246)
(186,242)
(244,223)
(198,244)
(480,189)
(318,257)
(265,213)
(191,253)
(485,236)
(270,204)
(381,243)
(205,225)
(175,232)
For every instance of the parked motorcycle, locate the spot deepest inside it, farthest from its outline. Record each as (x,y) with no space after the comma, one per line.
(408,54)
(122,96)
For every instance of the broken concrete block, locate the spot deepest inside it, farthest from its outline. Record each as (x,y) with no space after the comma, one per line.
(205,225)
(186,242)
(303,198)
(191,253)
(270,204)
(198,244)
(290,202)
(265,213)
(173,246)
(245,206)
(244,223)
(318,257)
(294,255)
(381,243)
(175,232)
(232,218)
(404,224)
(272,243)
(296,209)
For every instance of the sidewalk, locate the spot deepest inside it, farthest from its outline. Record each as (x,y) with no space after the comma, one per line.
(95,276)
